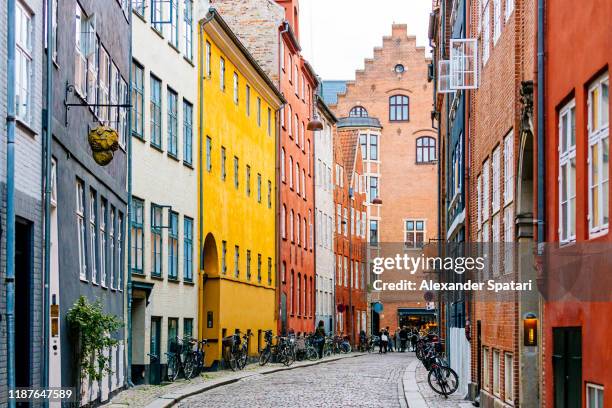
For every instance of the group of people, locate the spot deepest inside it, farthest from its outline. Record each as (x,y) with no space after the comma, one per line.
(404,338)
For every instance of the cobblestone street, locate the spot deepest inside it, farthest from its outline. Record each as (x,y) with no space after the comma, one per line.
(367,381)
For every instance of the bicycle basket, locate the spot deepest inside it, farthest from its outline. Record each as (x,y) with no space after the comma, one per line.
(175,347)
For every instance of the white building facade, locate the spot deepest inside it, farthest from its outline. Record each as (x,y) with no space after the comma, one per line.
(164,230)
(324,210)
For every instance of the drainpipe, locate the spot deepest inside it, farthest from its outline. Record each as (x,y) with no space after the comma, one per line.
(541,122)
(129,213)
(48,118)
(10,200)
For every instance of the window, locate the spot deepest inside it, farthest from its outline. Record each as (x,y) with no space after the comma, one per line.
(248,264)
(291,297)
(509,8)
(259,268)
(297,177)
(296,79)
(289,121)
(496,178)
(269,194)
(269,271)
(486,379)
(248,180)
(224,257)
(414,234)
(137,222)
(155,106)
(156,240)
(236,181)
(235,88)
(496,20)
(485,191)
(567,173)
(508,168)
(84,44)
(139,6)
(23,63)
(425,149)
(508,377)
(373,147)
(479,201)
(173,246)
(174,31)
(104,84)
(222,73)
(208,154)
(496,372)
(282,164)
(93,234)
(595,396)
(398,108)
(187,328)
(290,172)
(291,226)
(363,142)
(311,232)
(187,133)
(236,261)
(598,128)
(103,241)
(258,188)
(157,15)
(188,29)
(137,100)
(258,111)
(111,240)
(172,123)
(283,222)
(486,32)
(248,100)
(80,218)
(374,232)
(208,56)
(358,112)
(188,249)
(172,334)
(304,183)
(269,122)
(223,160)
(120,259)
(373,188)
(297,231)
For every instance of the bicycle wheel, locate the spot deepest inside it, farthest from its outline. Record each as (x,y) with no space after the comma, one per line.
(173,368)
(264,357)
(345,348)
(443,380)
(189,366)
(244,356)
(288,357)
(233,361)
(312,354)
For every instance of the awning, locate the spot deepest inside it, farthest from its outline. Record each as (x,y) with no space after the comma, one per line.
(415,311)
(146,287)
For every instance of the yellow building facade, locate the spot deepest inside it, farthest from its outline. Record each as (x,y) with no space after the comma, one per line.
(237,190)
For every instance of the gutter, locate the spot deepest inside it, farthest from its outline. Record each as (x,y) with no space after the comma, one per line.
(541,138)
(10,200)
(129,216)
(48,123)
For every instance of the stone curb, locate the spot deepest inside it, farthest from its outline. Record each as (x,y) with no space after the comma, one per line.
(413,397)
(170,399)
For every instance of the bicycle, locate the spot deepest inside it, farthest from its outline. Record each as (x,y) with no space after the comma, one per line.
(175,363)
(279,352)
(194,360)
(441,378)
(236,350)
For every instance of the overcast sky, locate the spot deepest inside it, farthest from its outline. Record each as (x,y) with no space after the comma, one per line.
(336,35)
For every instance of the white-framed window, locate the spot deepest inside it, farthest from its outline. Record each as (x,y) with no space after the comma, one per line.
(235,88)
(496,239)
(414,234)
(93,233)
(486,378)
(508,168)
(289,121)
(282,164)
(496,20)
(291,226)
(23,63)
(485,191)
(102,240)
(111,241)
(208,57)
(188,29)
(104,84)
(567,173)
(282,54)
(509,239)
(486,32)
(345,221)
(84,44)
(495,180)
(80,218)
(496,373)
(222,73)
(283,225)
(479,201)
(509,8)
(598,161)
(297,177)
(508,377)
(595,396)
(464,63)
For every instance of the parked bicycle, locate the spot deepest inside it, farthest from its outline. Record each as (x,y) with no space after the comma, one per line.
(305,348)
(441,378)
(195,358)
(280,352)
(175,359)
(237,350)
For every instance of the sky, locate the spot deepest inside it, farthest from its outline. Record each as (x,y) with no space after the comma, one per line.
(337,35)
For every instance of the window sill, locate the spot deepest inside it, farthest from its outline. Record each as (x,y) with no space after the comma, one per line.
(189,60)
(140,16)
(174,47)
(399,121)
(156,31)
(157,277)
(84,280)
(156,147)
(598,233)
(26,127)
(188,165)
(172,156)
(188,282)
(174,280)
(139,274)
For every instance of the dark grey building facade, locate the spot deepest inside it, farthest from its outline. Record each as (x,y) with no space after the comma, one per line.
(89,201)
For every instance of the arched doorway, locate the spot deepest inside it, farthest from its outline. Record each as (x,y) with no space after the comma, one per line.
(209,298)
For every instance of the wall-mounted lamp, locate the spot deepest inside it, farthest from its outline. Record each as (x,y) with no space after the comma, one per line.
(530,330)
(377,200)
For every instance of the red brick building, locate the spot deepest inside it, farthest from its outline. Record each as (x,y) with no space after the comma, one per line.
(576,326)
(392,99)
(349,235)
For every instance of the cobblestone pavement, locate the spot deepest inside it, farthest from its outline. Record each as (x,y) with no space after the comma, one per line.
(372,380)
(434,400)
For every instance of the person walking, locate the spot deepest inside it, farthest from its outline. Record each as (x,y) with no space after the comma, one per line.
(384,341)
(320,337)
(403,338)
(391,339)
